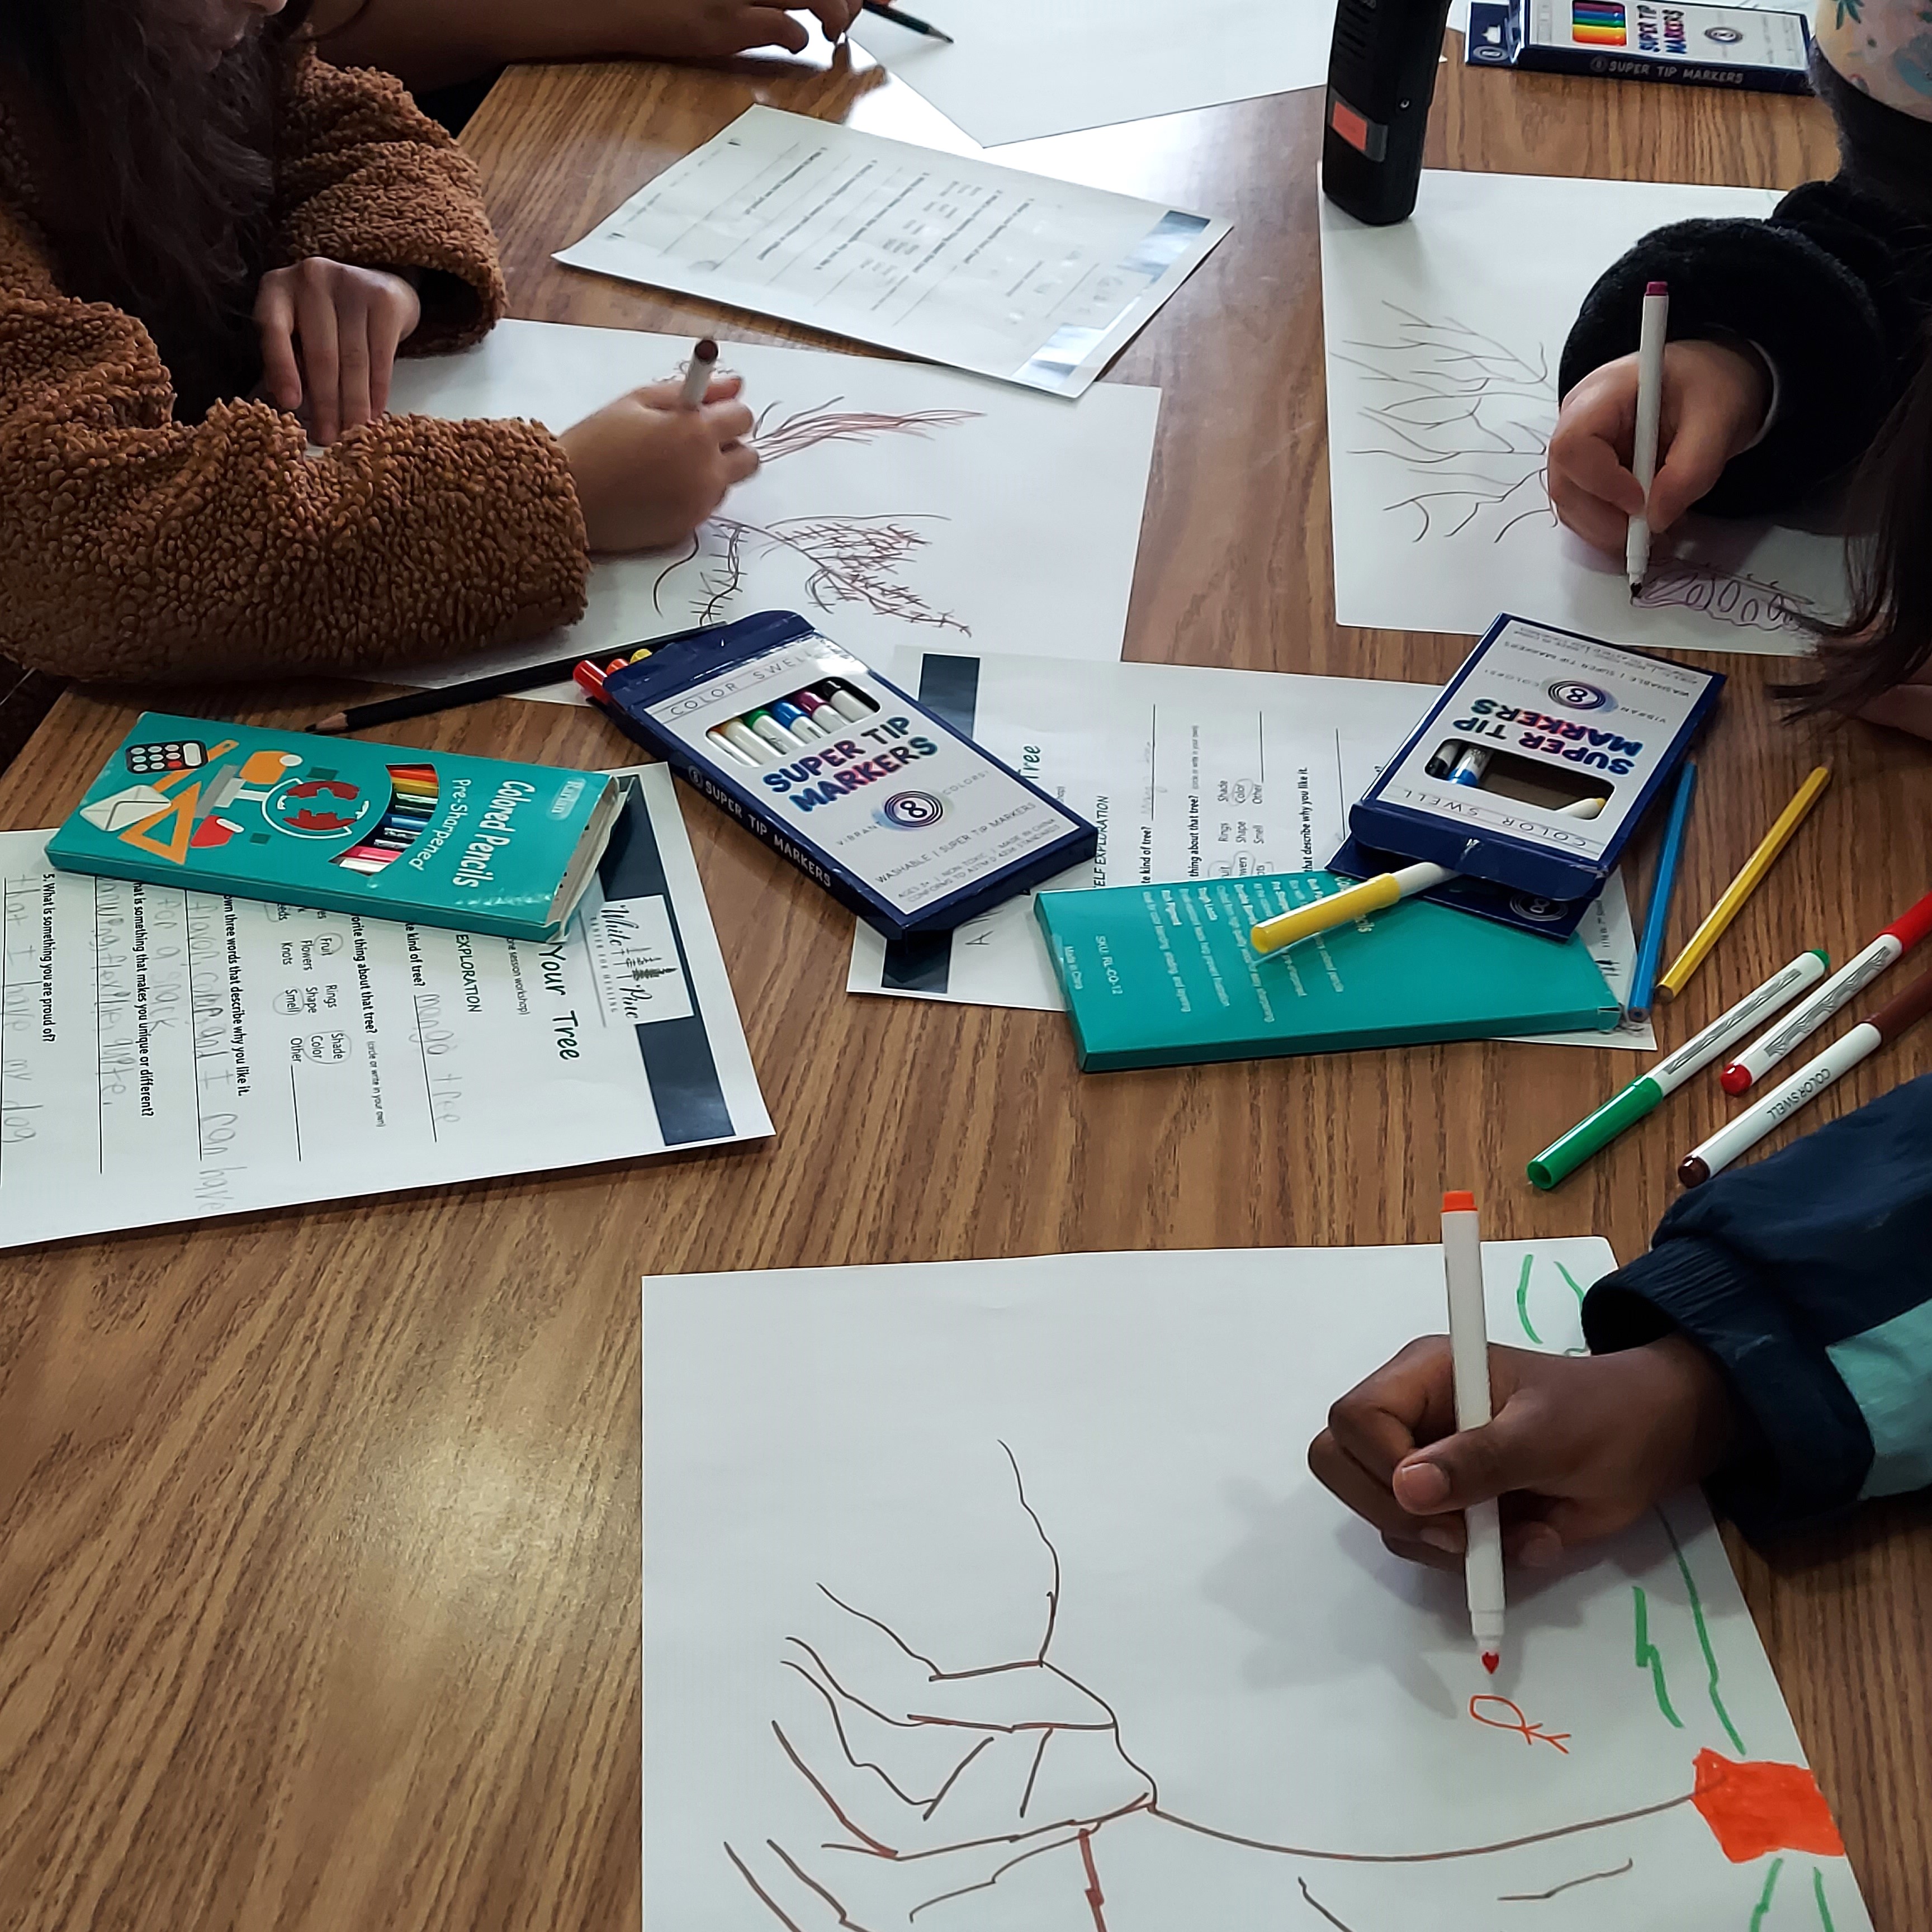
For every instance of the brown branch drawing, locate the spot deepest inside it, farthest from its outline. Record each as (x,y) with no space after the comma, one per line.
(849,559)
(988,1858)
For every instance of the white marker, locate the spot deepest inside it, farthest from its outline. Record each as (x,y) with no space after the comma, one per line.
(847,704)
(774,733)
(1469,1355)
(697,374)
(1844,986)
(728,751)
(1651,338)
(748,742)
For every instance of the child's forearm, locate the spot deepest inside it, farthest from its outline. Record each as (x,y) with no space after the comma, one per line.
(1809,1277)
(438,43)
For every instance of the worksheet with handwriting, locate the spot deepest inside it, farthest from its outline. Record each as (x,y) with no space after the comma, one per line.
(960,261)
(167,1054)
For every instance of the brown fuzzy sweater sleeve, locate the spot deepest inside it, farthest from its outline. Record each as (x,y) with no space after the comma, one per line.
(134,547)
(363,176)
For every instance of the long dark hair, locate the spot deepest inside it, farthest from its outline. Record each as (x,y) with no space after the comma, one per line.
(166,183)
(1887,637)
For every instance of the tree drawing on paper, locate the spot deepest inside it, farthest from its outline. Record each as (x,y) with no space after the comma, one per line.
(942,1786)
(846,559)
(1464,420)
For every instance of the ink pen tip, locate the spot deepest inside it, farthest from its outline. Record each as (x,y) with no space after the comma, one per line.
(1492,1661)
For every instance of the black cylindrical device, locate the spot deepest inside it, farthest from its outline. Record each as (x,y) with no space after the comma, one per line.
(1382,78)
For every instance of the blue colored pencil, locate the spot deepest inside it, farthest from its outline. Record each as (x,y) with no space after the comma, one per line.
(1657,914)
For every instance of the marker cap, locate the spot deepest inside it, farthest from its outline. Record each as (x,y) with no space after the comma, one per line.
(1912,925)
(1568,1152)
(1459,1202)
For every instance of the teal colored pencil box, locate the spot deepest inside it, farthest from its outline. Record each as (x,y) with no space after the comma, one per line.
(1163,975)
(478,843)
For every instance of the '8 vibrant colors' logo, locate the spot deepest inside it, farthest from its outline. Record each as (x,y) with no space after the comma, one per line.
(912,810)
(1574,696)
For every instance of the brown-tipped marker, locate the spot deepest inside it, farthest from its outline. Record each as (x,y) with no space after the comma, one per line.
(1693,1171)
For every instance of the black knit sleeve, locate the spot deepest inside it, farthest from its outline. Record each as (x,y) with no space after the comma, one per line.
(1815,289)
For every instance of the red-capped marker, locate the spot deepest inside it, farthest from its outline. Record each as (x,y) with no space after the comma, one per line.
(1844,986)
(1469,1358)
(1740,1135)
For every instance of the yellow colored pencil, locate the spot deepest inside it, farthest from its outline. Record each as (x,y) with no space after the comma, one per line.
(1717,920)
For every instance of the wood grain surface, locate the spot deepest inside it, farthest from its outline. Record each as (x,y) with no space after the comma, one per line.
(319,1530)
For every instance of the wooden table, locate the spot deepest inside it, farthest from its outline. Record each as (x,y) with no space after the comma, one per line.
(318,1530)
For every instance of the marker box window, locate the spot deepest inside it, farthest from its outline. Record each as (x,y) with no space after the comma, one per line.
(1562,716)
(898,815)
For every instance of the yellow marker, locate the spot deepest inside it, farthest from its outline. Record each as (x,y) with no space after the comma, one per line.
(1386,890)
(1717,920)
(1338,908)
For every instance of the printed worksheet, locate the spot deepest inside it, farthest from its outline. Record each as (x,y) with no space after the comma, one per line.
(165,1055)
(1190,772)
(960,261)
(893,501)
(1444,335)
(1017,69)
(997,1596)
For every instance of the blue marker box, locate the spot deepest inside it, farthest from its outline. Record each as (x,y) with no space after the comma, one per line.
(1566,716)
(895,814)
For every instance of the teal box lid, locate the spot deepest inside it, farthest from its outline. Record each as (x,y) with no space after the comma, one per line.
(478,843)
(1163,975)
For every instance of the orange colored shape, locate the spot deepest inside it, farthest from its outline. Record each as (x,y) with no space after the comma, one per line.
(1755,1808)
(182,810)
(267,767)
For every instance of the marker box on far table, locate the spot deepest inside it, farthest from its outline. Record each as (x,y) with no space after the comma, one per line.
(893,812)
(1551,717)
(1762,49)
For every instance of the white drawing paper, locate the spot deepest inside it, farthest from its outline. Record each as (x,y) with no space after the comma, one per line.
(894,500)
(1036,281)
(1444,335)
(1018,70)
(166,1055)
(1191,772)
(996,1596)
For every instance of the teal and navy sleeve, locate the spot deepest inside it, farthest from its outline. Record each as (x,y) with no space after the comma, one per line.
(1809,1277)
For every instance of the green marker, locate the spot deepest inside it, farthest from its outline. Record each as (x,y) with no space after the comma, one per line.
(1566,1154)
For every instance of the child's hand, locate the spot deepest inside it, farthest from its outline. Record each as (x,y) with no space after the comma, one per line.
(715,29)
(329,335)
(648,472)
(1580,1445)
(1714,400)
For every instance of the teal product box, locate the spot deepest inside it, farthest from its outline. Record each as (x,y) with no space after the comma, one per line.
(477,844)
(1163,975)
(895,814)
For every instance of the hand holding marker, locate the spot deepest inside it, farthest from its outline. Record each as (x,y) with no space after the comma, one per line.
(1740,1135)
(1568,1152)
(1851,980)
(1372,896)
